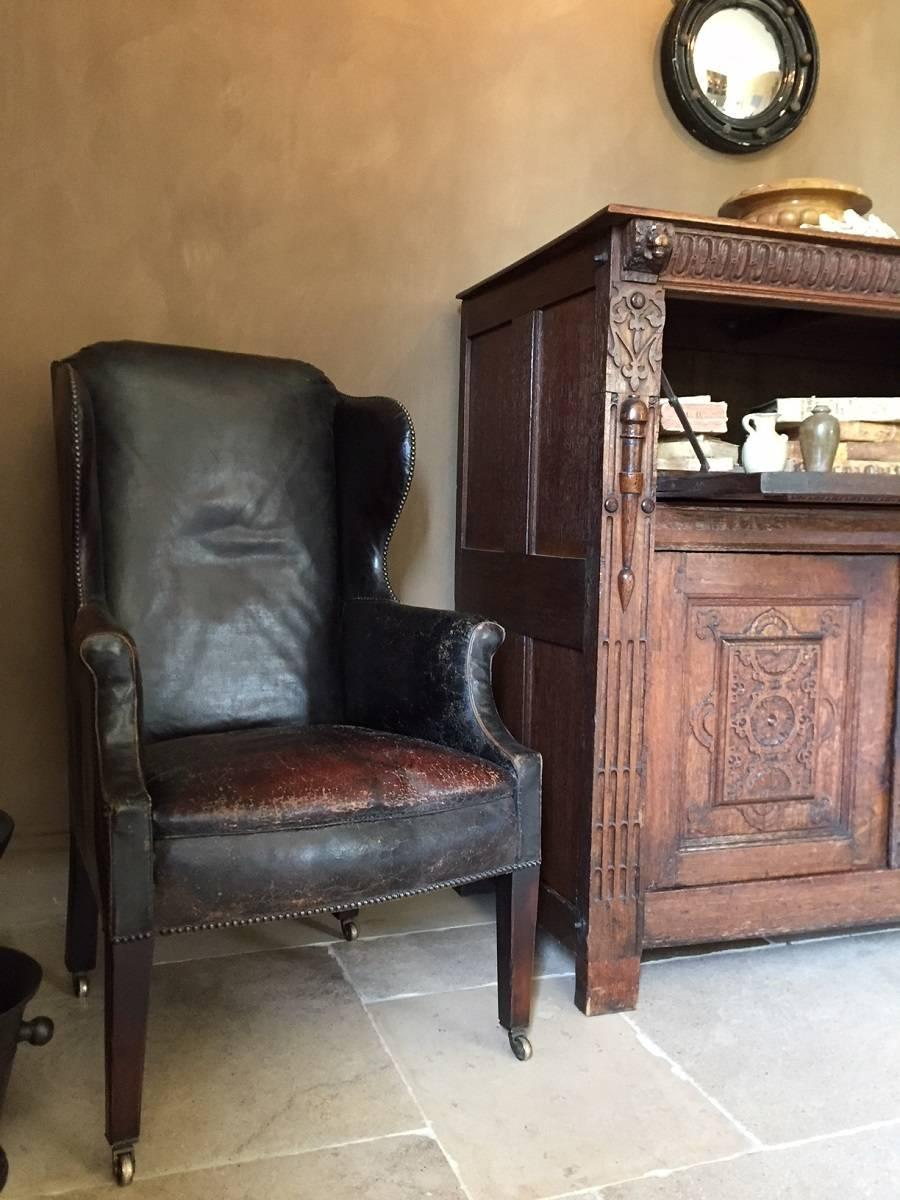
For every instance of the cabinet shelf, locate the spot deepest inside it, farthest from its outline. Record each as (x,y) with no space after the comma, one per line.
(816,487)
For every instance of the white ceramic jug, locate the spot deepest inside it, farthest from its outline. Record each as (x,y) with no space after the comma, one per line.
(764,449)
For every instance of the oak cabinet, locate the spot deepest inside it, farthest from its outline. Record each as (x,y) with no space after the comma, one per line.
(706,664)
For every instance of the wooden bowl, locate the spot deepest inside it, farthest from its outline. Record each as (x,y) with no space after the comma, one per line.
(795,202)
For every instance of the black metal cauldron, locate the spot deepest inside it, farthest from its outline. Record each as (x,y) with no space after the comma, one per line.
(20,978)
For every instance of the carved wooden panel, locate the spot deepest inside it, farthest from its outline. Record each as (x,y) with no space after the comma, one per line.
(635,339)
(760,263)
(765,733)
(771,715)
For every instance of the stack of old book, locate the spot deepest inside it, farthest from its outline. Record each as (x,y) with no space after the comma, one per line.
(870,432)
(707,417)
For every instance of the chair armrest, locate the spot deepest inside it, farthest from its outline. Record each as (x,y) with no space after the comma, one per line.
(426,673)
(111,719)
(111,658)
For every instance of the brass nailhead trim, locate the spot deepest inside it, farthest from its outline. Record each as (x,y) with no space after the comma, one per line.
(76,485)
(309,912)
(406,489)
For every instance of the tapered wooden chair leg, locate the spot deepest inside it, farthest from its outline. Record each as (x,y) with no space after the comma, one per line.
(81,923)
(517,901)
(128,966)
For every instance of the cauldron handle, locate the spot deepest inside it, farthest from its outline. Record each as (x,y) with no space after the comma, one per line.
(37,1032)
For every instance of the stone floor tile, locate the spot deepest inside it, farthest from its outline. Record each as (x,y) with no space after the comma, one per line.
(441,909)
(438,962)
(248,1056)
(33,885)
(591,1106)
(864,1166)
(393,1168)
(795,1041)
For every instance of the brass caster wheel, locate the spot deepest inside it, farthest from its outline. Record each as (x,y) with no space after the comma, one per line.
(123,1167)
(80,986)
(348,925)
(520,1046)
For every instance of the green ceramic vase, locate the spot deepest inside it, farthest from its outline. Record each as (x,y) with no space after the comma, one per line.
(820,436)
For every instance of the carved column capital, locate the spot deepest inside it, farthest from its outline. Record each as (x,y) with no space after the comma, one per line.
(647,245)
(634,339)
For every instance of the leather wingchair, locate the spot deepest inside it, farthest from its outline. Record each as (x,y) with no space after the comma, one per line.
(258,730)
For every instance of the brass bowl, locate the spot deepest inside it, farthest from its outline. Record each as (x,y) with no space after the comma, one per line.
(795,202)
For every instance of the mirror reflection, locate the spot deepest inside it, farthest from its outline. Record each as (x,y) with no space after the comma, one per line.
(738,63)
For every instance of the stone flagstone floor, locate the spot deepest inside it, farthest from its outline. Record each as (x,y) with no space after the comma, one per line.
(285,1064)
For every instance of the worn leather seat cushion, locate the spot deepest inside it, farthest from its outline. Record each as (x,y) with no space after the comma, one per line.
(328,813)
(302,777)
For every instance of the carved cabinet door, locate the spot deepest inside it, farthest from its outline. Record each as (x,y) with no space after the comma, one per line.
(769,716)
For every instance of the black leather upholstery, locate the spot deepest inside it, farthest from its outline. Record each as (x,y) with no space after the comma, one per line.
(216,478)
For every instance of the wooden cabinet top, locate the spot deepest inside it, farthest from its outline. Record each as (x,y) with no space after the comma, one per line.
(708,257)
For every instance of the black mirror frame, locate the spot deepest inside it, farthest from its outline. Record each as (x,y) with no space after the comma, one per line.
(793,31)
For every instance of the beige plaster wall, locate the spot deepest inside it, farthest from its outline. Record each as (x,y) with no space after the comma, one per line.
(318,178)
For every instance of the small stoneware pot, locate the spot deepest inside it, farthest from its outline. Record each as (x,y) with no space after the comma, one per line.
(820,436)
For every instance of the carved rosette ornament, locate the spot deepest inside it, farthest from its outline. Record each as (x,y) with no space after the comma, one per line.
(647,246)
(636,320)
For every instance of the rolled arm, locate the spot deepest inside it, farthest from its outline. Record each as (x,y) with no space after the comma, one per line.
(110,657)
(106,660)
(426,673)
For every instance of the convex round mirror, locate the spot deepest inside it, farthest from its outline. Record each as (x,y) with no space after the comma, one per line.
(740,74)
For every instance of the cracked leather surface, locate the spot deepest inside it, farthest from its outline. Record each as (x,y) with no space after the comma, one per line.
(302,777)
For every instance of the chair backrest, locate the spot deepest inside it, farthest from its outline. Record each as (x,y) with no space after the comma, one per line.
(218,531)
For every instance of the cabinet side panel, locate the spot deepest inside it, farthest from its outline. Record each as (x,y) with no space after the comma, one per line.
(568,418)
(558,730)
(496,439)
(511,684)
